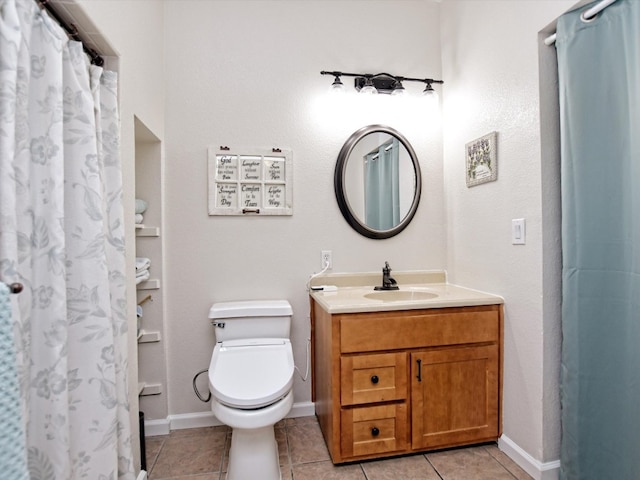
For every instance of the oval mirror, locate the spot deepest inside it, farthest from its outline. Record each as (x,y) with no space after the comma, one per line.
(377,181)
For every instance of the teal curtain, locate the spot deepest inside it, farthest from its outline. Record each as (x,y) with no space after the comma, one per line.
(599,84)
(382,187)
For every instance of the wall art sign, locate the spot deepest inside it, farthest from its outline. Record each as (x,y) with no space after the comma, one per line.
(482,160)
(250,181)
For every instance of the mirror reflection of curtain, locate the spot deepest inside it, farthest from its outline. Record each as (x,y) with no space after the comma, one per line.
(382,187)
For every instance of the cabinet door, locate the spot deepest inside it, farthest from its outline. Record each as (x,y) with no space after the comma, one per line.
(455,396)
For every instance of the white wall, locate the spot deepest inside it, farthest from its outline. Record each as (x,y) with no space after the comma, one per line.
(490,63)
(247,73)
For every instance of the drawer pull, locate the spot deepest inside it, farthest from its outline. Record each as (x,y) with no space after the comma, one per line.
(375,432)
(375,379)
(419,369)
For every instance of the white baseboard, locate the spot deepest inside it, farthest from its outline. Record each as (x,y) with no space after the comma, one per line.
(302,409)
(142,475)
(537,469)
(193,420)
(153,428)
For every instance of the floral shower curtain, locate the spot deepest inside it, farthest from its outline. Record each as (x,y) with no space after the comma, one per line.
(599,80)
(61,236)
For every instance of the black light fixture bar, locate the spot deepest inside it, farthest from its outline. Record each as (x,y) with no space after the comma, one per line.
(383,82)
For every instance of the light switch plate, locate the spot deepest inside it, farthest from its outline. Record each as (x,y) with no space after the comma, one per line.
(518,231)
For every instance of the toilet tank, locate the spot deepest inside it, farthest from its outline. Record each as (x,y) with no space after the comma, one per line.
(251,319)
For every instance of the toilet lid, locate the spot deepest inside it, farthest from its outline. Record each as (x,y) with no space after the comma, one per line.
(251,373)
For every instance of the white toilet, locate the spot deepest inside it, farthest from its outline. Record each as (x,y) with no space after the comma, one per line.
(251,380)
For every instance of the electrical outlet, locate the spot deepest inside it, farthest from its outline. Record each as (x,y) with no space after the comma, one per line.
(326,259)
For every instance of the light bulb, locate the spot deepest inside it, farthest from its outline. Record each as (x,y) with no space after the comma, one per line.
(368,88)
(430,94)
(398,89)
(337,85)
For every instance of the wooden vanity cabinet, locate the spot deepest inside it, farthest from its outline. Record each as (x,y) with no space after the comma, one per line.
(390,383)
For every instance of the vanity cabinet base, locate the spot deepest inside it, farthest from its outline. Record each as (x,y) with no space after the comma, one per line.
(438,384)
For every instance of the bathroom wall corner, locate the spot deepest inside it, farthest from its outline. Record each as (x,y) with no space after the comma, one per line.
(538,470)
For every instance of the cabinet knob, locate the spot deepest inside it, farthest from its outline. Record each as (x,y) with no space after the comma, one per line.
(374,379)
(375,432)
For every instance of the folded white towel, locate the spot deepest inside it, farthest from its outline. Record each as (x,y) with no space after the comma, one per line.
(144,271)
(139,218)
(142,277)
(141,205)
(142,263)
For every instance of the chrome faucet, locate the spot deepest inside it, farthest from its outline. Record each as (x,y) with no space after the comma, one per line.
(388,282)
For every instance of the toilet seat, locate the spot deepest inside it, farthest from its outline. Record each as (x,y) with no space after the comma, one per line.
(251,373)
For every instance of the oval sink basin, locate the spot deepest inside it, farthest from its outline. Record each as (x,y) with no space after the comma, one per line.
(400,295)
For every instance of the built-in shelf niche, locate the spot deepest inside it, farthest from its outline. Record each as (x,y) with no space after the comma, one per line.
(152,370)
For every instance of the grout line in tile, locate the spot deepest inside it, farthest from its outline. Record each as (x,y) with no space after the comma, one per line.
(288,446)
(225,449)
(433,466)
(506,467)
(155,460)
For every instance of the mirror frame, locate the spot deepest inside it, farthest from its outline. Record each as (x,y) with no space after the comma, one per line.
(339,183)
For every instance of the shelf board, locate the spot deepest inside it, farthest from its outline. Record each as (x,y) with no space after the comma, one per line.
(151,389)
(149,336)
(151,284)
(143,231)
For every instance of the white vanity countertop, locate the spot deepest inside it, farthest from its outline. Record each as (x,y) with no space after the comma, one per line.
(352,290)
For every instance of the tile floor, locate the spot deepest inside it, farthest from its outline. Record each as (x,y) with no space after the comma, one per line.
(201,454)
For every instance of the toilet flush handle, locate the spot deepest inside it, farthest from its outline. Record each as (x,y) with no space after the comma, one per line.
(217,324)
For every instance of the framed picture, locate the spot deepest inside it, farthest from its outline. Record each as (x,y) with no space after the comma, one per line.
(482,160)
(250,181)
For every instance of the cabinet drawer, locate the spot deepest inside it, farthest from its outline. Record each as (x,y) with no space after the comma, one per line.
(374,430)
(373,378)
(366,332)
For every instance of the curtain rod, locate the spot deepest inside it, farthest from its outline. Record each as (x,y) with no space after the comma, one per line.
(72,31)
(586,16)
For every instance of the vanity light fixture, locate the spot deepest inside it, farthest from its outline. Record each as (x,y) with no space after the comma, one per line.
(337,85)
(369,83)
(430,93)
